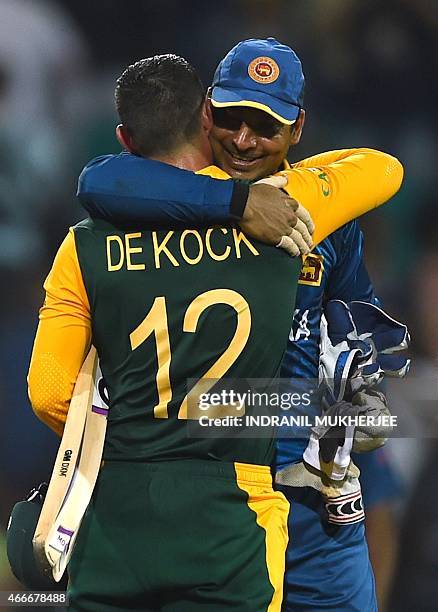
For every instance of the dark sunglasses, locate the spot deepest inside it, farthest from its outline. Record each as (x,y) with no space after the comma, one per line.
(260,123)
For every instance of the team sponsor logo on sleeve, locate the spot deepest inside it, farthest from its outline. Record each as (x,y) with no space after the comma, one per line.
(311,272)
(325,184)
(263,70)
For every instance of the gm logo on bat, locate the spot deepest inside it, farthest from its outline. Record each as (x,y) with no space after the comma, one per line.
(65,463)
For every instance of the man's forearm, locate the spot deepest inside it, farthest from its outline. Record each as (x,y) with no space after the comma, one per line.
(125,188)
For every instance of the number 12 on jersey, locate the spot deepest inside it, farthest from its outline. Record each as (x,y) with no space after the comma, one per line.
(156,323)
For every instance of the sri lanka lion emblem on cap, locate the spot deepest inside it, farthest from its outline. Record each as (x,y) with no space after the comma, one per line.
(263,70)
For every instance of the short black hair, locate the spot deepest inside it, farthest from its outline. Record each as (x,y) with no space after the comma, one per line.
(159,100)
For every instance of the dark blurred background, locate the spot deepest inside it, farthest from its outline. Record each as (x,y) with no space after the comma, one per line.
(371,72)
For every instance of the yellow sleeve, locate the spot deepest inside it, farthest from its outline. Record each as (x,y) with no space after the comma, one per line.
(339,186)
(63,338)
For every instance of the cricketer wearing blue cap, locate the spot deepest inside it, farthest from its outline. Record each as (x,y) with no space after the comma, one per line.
(256,99)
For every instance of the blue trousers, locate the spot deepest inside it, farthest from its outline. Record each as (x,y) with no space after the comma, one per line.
(327,566)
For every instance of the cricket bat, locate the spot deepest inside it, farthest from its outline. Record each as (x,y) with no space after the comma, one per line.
(75,471)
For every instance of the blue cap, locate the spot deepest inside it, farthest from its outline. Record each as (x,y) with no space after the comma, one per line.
(263,74)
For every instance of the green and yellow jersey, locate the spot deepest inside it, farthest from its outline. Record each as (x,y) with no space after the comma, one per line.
(169,306)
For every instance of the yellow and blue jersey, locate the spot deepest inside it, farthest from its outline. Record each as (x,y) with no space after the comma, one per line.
(334,269)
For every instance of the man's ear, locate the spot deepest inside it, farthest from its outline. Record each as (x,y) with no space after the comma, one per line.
(125,138)
(297,128)
(206,115)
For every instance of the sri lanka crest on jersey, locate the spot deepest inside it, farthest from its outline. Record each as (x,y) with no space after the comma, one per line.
(312,269)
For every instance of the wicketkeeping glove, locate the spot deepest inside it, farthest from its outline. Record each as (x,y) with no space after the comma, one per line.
(359,346)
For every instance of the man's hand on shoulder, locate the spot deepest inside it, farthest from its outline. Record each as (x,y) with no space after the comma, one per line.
(271,216)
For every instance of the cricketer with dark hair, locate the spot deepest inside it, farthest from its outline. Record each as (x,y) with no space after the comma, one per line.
(328,565)
(133,102)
